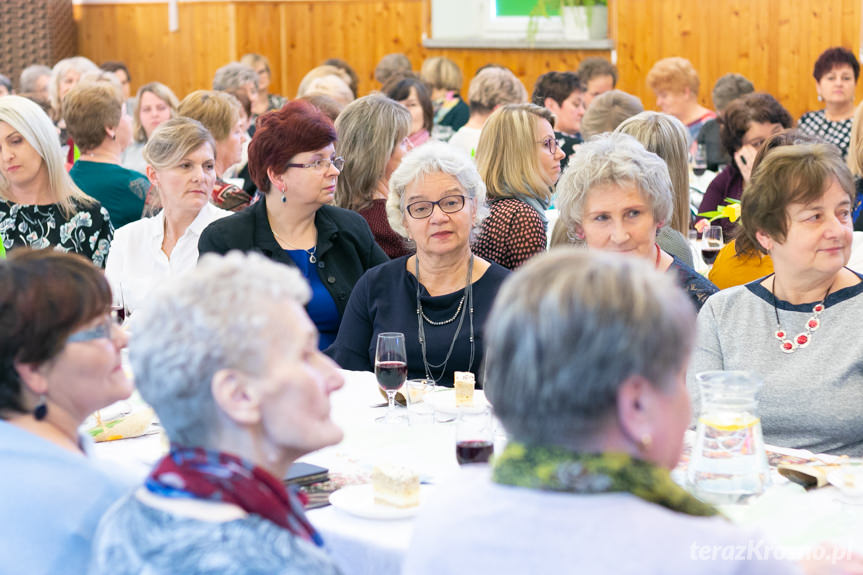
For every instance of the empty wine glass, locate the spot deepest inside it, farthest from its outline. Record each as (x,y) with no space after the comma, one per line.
(391,369)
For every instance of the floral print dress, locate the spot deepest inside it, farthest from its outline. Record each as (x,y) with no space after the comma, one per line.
(88,232)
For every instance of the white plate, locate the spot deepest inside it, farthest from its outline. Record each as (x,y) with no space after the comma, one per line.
(359,500)
(849,480)
(444,401)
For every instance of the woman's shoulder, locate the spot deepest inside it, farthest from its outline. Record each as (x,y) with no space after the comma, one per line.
(342,216)
(691,279)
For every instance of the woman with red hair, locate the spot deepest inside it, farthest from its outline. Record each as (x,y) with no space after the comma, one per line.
(293,162)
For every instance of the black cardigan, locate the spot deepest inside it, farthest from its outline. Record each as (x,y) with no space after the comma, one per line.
(346,247)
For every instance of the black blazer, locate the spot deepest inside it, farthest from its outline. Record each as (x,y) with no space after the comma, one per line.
(346,247)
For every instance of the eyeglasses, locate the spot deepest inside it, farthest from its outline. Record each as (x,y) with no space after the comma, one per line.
(549,144)
(448,205)
(103,330)
(322,165)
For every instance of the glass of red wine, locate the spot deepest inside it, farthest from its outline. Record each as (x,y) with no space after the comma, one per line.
(711,243)
(474,436)
(391,369)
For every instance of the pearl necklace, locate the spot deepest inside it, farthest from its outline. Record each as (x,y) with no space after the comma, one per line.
(803,338)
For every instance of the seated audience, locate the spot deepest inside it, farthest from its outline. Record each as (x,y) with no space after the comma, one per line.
(121,72)
(35,82)
(354,80)
(182,167)
(585,362)
(60,352)
(797,208)
(96,119)
(440,297)
(64,76)
(373,139)
(607,112)
(666,136)
(489,89)
(726,89)
(616,196)
(444,78)
(264,102)
(562,93)
(411,93)
(836,73)
(519,160)
(246,397)
(744,125)
(293,162)
(40,205)
(598,76)
(154,104)
(675,83)
(392,66)
(221,114)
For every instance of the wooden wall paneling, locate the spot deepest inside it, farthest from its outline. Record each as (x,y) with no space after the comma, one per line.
(258,31)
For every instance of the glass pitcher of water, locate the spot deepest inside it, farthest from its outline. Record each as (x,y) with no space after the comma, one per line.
(728,460)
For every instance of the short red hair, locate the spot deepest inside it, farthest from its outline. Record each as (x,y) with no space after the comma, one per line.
(282,134)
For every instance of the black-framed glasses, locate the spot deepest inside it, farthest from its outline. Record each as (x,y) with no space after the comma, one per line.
(322,165)
(448,205)
(550,144)
(102,330)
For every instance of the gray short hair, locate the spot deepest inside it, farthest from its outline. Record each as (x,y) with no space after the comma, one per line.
(30,75)
(432,158)
(568,329)
(233,76)
(614,159)
(213,318)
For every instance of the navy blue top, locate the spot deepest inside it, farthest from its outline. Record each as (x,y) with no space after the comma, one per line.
(321,308)
(384,299)
(696,286)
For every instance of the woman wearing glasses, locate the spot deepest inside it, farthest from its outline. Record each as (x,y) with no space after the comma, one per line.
(373,138)
(292,160)
(441,296)
(519,161)
(59,362)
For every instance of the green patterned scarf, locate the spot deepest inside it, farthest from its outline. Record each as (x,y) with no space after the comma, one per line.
(556,469)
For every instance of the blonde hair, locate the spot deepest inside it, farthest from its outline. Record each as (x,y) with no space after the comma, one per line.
(369,130)
(90,107)
(175,139)
(608,111)
(30,120)
(666,137)
(331,86)
(855,149)
(673,74)
(217,111)
(252,60)
(320,72)
(162,92)
(493,87)
(79,64)
(506,155)
(441,73)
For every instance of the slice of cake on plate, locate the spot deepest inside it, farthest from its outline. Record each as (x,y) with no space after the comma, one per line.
(396,485)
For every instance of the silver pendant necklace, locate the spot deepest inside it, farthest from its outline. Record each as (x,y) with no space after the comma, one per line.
(461,311)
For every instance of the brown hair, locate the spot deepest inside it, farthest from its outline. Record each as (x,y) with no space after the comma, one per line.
(89,108)
(45,295)
(796,174)
(738,117)
(218,111)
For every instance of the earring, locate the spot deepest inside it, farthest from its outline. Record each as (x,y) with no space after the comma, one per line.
(41,409)
(646,441)
(820,99)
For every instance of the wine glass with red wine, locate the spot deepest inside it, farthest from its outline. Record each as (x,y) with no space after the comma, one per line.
(474,436)
(711,243)
(391,369)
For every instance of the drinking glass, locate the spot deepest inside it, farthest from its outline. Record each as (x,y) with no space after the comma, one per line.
(699,161)
(391,369)
(416,392)
(118,303)
(711,243)
(474,436)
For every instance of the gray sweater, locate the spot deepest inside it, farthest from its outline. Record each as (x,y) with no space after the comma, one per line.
(812,398)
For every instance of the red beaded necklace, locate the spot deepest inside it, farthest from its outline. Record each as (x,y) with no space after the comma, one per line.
(803,338)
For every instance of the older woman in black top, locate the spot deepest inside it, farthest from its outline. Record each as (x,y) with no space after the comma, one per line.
(293,162)
(440,297)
